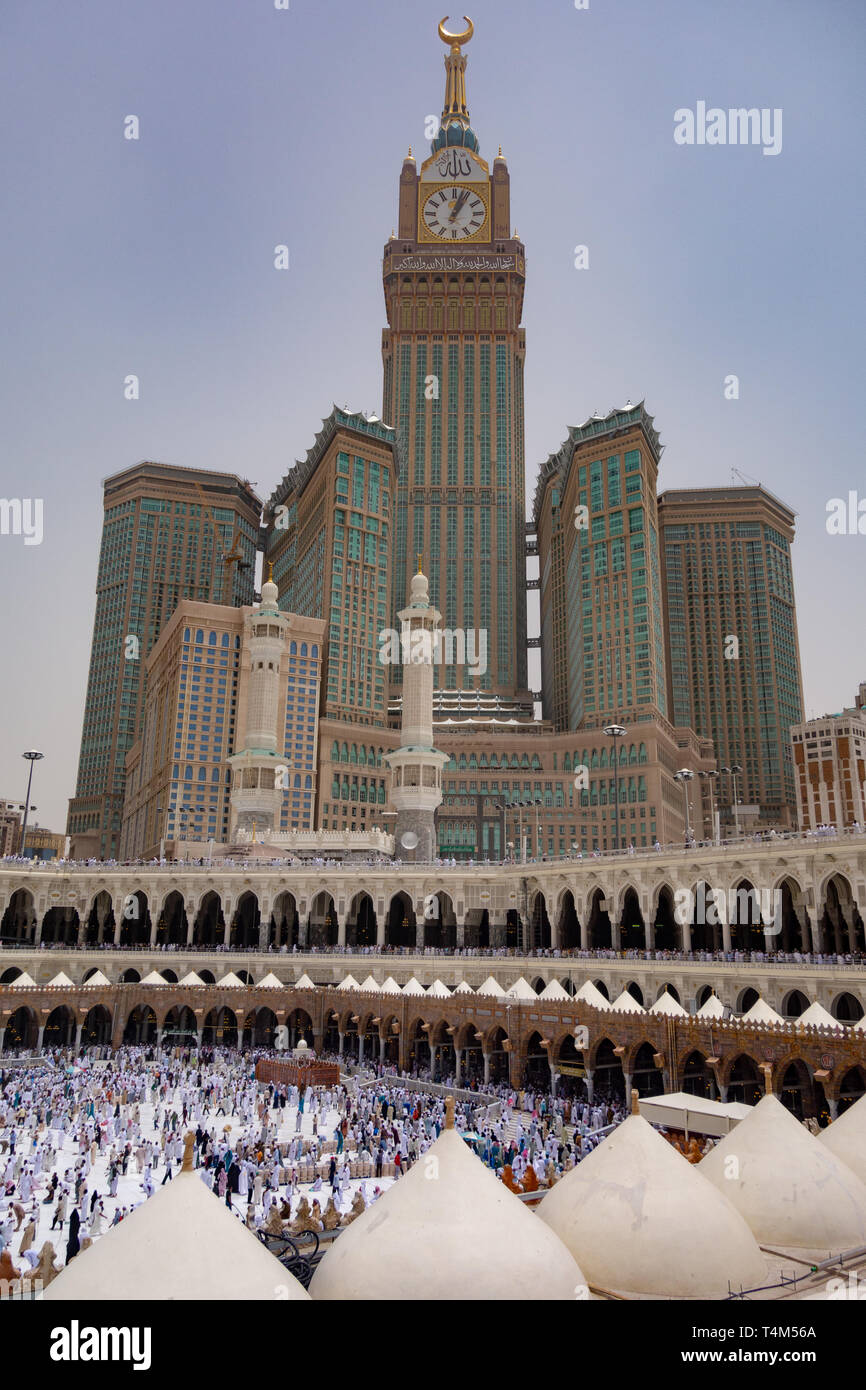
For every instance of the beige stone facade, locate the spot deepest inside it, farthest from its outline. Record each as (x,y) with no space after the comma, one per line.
(830,768)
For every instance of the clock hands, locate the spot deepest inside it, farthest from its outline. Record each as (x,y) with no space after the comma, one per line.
(458,205)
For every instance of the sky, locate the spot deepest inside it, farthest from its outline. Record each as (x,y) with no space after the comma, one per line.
(261,126)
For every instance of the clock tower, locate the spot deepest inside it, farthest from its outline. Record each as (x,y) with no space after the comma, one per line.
(453,356)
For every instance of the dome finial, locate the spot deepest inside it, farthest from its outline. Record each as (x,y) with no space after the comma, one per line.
(455,108)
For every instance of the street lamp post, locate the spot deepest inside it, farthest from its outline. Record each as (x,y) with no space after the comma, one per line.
(732,773)
(615,731)
(32,757)
(684,776)
(709,778)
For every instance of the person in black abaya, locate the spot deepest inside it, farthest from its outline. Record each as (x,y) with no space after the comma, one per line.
(72,1245)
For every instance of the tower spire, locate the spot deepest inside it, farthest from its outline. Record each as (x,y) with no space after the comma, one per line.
(455,107)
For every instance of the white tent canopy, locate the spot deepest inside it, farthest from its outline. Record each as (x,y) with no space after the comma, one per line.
(439,991)
(270,981)
(463,988)
(695,1114)
(412,987)
(191,978)
(154,978)
(391,987)
(554,990)
(590,994)
(63,979)
(97,978)
(491,986)
(626,1003)
(369,986)
(761,1012)
(816,1016)
(23,982)
(521,989)
(231,981)
(349,983)
(304,983)
(666,1004)
(711,1008)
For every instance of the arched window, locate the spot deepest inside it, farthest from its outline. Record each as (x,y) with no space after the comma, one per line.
(202,774)
(212,639)
(641,757)
(199,636)
(353,755)
(335,752)
(314,650)
(215,775)
(293,649)
(566,762)
(308,783)
(186,634)
(297,781)
(344,754)
(594,760)
(303,649)
(602,762)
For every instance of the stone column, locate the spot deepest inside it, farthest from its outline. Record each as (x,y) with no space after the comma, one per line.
(117,907)
(76,1041)
(154,922)
(360,1049)
(341,1044)
(833,1107)
(303,934)
(589,1080)
(419,929)
(380,928)
(726,935)
(584,930)
(486,1056)
(40,1036)
(264,932)
(686,929)
(458,1065)
(627,1077)
(461,934)
(341,928)
(382,1044)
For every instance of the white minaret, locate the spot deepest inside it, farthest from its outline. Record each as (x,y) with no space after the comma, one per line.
(416,788)
(256,799)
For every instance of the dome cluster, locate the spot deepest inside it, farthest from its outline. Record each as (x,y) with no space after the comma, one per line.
(633,1220)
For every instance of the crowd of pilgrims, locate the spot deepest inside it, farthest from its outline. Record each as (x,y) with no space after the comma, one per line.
(82,1143)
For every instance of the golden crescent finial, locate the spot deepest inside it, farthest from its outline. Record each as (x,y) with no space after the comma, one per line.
(456,38)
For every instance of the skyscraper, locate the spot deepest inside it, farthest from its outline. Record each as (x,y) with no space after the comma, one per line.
(453,357)
(168,533)
(602,637)
(734,659)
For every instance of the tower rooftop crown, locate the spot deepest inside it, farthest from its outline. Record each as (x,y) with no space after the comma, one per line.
(455,128)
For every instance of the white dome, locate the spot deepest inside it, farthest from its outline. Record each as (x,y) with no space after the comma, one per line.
(816,1016)
(591,994)
(521,989)
(183,1243)
(626,1003)
(762,1012)
(641,1220)
(453,1231)
(666,1004)
(846,1138)
(554,990)
(712,1007)
(302,1046)
(491,986)
(270,594)
(793,1192)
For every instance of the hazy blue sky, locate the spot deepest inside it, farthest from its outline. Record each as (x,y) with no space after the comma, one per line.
(261,126)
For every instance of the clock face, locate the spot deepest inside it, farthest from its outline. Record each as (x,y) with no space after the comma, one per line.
(453,213)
